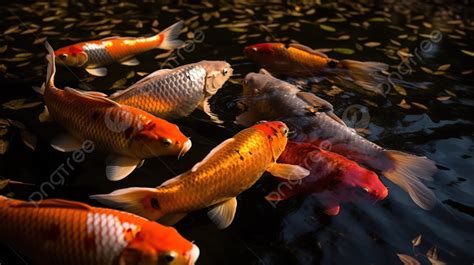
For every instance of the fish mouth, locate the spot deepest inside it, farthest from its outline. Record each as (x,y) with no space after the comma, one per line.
(193,255)
(187,145)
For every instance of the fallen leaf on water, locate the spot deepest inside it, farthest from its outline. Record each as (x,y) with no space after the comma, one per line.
(372,44)
(344,50)
(468,52)
(432,256)
(467,72)
(404,104)
(142,73)
(427,25)
(426,70)
(3,183)
(400,90)
(327,28)
(377,19)
(407,260)
(416,241)
(419,105)
(450,93)
(29,139)
(443,98)
(119,83)
(444,67)
(17,104)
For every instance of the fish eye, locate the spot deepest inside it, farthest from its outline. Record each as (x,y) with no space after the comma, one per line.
(166,142)
(169,257)
(285,131)
(254,49)
(63,56)
(225,71)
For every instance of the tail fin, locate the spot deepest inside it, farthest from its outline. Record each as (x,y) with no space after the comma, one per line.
(366,74)
(134,200)
(170,35)
(51,67)
(406,172)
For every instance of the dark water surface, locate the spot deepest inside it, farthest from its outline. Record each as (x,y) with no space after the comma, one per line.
(435,120)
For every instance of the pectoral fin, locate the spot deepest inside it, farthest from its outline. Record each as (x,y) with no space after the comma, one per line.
(130,62)
(119,167)
(287,171)
(223,214)
(66,143)
(102,71)
(45,116)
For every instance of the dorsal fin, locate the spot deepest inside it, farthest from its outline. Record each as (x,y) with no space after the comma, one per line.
(115,38)
(56,203)
(91,96)
(213,151)
(314,101)
(146,78)
(308,49)
(171,180)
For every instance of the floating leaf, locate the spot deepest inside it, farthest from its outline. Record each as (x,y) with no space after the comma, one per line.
(119,83)
(404,104)
(444,67)
(3,183)
(432,255)
(377,19)
(3,48)
(372,44)
(419,105)
(416,241)
(400,90)
(17,104)
(468,52)
(29,139)
(327,28)
(344,50)
(443,98)
(427,25)
(426,70)
(407,260)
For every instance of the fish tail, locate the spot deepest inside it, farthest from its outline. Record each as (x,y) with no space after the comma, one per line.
(366,74)
(170,37)
(134,200)
(51,70)
(407,171)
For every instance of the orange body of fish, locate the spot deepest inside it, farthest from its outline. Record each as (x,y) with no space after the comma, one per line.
(66,232)
(95,54)
(127,133)
(229,169)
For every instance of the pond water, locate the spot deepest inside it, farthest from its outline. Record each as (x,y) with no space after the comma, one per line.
(429,113)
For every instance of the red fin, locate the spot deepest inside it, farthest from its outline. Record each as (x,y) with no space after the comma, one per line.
(56,203)
(284,191)
(332,211)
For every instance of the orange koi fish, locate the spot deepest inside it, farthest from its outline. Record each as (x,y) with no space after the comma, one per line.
(93,55)
(228,170)
(333,179)
(128,134)
(298,60)
(66,232)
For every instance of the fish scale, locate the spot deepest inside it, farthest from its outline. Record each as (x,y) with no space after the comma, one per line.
(168,96)
(240,165)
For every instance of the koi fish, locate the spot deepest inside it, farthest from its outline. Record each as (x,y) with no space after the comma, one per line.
(66,232)
(128,134)
(332,177)
(175,93)
(94,55)
(403,169)
(298,60)
(229,169)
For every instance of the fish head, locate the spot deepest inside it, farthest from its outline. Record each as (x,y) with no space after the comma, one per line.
(217,73)
(257,85)
(157,244)
(157,137)
(73,56)
(277,135)
(363,179)
(265,53)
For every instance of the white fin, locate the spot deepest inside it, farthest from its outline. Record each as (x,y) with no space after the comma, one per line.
(66,143)
(101,71)
(145,79)
(207,109)
(131,200)
(140,164)
(119,167)
(223,214)
(211,154)
(51,69)
(130,62)
(45,116)
(406,172)
(40,89)
(308,49)
(287,171)
(171,219)
(96,96)
(170,34)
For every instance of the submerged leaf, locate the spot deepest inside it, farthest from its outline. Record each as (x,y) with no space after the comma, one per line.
(407,260)
(444,67)
(400,90)
(470,53)
(344,50)
(372,44)
(327,28)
